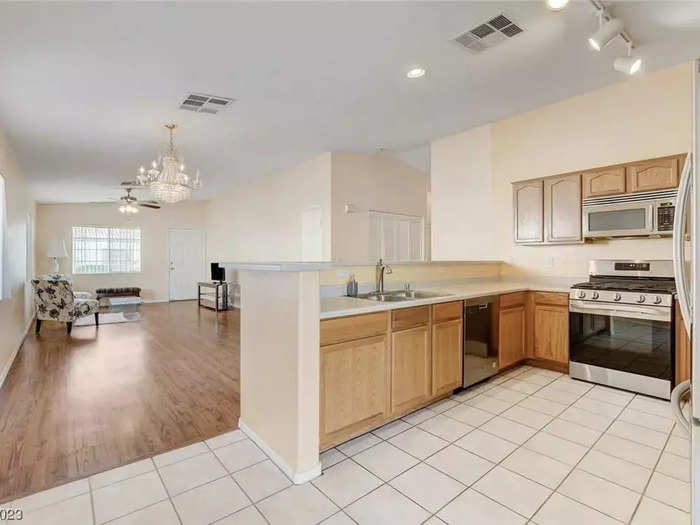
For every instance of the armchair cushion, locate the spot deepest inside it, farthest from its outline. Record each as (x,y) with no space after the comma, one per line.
(55,300)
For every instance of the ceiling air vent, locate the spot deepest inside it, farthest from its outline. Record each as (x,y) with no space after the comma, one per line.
(485,36)
(200,103)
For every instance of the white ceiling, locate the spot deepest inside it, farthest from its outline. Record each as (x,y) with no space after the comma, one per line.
(86,88)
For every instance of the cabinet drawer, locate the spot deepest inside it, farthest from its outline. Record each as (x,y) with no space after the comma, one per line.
(554,298)
(511,299)
(409,317)
(354,327)
(447,311)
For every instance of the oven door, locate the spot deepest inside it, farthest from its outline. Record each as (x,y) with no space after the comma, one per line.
(625,346)
(620,219)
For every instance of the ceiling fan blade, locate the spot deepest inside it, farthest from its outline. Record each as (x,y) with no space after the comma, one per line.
(152,206)
(150,202)
(132,183)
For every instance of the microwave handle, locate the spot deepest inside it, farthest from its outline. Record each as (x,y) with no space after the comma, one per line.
(679,221)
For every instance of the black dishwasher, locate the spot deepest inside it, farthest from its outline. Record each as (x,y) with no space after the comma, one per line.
(480,339)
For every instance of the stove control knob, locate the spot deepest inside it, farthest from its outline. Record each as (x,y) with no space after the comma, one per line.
(596,295)
(617,297)
(642,298)
(581,294)
(657,299)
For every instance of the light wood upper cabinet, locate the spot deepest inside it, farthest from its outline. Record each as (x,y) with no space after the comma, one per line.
(528,212)
(656,174)
(410,368)
(447,356)
(353,392)
(562,209)
(605,181)
(511,328)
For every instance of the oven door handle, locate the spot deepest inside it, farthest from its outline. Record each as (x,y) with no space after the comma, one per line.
(653,313)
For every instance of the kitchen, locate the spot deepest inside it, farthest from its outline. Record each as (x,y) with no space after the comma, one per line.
(391,365)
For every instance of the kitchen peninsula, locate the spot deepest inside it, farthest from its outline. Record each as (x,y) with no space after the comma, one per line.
(281,316)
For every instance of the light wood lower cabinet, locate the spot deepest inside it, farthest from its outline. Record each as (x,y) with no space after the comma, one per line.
(447,356)
(511,329)
(353,391)
(551,333)
(369,378)
(410,369)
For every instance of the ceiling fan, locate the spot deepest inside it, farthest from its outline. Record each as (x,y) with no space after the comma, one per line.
(128,203)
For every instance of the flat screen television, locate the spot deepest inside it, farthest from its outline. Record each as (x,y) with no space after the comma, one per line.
(218,273)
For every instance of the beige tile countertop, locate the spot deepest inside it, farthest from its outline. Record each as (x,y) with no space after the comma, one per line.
(468,289)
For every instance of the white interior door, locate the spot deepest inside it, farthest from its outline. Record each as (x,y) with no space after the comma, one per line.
(29,269)
(187,263)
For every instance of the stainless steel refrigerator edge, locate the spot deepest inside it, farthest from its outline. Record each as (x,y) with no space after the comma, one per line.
(687,273)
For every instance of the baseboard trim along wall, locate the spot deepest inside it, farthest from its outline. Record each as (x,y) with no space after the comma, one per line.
(8,365)
(297,477)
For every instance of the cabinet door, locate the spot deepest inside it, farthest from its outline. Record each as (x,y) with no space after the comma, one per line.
(606,181)
(410,369)
(552,333)
(352,388)
(447,356)
(657,174)
(562,209)
(511,335)
(527,212)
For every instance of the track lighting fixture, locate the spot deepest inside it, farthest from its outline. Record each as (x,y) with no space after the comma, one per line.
(608,30)
(629,64)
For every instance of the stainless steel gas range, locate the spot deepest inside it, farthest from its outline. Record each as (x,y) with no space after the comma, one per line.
(621,326)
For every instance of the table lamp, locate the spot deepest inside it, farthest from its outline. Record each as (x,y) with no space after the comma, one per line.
(56,251)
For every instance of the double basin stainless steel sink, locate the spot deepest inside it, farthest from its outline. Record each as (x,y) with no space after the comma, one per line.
(400,295)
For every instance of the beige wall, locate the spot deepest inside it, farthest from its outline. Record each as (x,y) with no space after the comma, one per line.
(639,118)
(57,220)
(261,221)
(460,213)
(370,182)
(13,314)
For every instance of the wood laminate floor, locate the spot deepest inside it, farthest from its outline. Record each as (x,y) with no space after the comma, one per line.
(74,405)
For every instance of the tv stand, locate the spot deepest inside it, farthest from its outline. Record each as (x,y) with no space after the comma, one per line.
(213,295)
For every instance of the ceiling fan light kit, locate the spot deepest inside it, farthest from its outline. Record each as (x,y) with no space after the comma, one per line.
(167,178)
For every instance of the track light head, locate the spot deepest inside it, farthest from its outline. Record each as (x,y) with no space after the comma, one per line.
(628,65)
(607,31)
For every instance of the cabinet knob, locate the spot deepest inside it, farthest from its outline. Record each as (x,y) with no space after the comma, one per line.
(617,297)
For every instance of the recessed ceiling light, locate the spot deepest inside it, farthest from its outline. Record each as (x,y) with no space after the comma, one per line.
(416,72)
(556,5)
(628,65)
(608,30)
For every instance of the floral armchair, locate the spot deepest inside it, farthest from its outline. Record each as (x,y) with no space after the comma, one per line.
(55,301)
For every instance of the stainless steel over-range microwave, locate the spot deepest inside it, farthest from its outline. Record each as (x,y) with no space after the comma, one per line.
(631,215)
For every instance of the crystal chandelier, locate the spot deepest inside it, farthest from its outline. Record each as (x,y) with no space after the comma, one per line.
(167,178)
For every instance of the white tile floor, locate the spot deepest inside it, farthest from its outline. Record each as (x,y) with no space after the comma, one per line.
(530,446)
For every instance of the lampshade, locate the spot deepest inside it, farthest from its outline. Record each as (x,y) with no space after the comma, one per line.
(57,248)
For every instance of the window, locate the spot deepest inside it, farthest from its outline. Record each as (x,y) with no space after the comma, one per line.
(395,237)
(106,250)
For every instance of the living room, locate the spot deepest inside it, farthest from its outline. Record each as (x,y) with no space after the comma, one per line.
(359,196)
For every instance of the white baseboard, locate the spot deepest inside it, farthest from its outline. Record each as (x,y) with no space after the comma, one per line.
(151,301)
(8,365)
(297,477)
